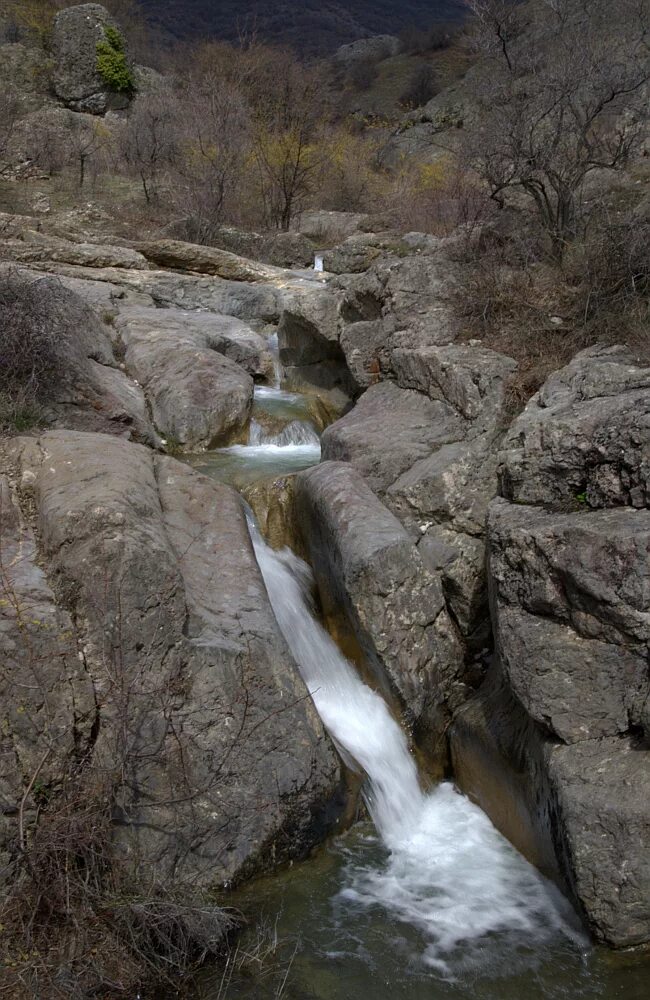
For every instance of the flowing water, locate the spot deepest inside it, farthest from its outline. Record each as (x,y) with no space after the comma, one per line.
(429,902)
(294,447)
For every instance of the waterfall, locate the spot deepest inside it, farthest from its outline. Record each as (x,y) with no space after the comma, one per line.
(274,351)
(449,873)
(298,432)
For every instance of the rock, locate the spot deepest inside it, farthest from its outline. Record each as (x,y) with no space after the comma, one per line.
(224,334)
(329,227)
(198,397)
(584,437)
(251,302)
(292,250)
(349,259)
(208,260)
(197,697)
(377,47)
(308,338)
(579,812)
(272,503)
(88,391)
(77,32)
(365,561)
(366,347)
(24,74)
(33,247)
(601,790)
(417,425)
(570,595)
(43,684)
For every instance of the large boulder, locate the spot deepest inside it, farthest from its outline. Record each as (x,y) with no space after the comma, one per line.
(258,302)
(578,811)
(554,745)
(226,335)
(85,388)
(570,596)
(34,247)
(365,562)
(173,686)
(77,82)
(198,396)
(584,437)
(183,256)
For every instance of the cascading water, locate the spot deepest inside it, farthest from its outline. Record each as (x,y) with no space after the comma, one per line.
(450,874)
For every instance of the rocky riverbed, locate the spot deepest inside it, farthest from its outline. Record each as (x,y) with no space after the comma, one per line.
(490,571)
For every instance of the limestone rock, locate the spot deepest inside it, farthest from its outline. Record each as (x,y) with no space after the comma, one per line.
(208,260)
(579,812)
(364,560)
(229,768)
(570,597)
(198,397)
(89,391)
(388,431)
(585,436)
(76,33)
(226,335)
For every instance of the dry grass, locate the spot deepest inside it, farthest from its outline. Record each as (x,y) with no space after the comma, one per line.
(521,304)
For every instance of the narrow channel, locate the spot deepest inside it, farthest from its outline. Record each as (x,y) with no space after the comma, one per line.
(427,900)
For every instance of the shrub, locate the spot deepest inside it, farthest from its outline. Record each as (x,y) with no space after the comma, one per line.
(421,88)
(32,350)
(112,64)
(363,73)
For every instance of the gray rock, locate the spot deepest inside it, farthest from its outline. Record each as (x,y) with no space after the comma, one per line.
(331,227)
(308,337)
(182,256)
(197,396)
(388,431)
(89,392)
(570,597)
(365,561)
(250,302)
(224,334)
(196,694)
(585,436)
(33,247)
(76,34)
(579,812)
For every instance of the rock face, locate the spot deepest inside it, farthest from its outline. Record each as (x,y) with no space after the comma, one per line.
(174,670)
(436,467)
(77,32)
(89,391)
(208,260)
(198,397)
(364,560)
(226,335)
(555,743)
(585,434)
(571,595)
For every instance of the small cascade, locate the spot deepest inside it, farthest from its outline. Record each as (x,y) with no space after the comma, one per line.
(295,434)
(274,350)
(450,875)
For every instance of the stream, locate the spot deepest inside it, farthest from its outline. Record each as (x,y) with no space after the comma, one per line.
(427,900)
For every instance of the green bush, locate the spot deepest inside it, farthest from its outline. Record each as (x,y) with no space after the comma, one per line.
(112,64)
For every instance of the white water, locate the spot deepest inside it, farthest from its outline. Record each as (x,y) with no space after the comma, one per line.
(274,350)
(450,874)
(298,432)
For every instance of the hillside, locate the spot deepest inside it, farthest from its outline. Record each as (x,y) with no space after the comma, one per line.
(309,25)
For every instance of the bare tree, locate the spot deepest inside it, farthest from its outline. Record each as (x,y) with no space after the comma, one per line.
(566,98)
(287,121)
(149,141)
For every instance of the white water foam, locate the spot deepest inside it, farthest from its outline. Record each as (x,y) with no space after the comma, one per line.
(450,874)
(298,432)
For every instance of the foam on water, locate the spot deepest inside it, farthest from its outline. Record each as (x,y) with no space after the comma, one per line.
(449,873)
(298,432)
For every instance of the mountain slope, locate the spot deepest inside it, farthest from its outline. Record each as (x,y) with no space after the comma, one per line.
(310,26)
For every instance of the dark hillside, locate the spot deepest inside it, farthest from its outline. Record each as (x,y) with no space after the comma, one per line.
(310,26)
